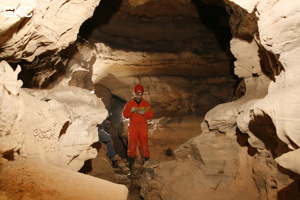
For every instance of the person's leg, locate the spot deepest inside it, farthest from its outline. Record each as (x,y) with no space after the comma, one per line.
(106,139)
(132,144)
(111,154)
(143,138)
(132,141)
(130,165)
(110,150)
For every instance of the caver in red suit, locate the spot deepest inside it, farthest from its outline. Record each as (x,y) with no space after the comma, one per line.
(138,111)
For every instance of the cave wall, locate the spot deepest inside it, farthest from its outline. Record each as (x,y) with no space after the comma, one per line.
(30,28)
(49,119)
(41,124)
(250,142)
(259,127)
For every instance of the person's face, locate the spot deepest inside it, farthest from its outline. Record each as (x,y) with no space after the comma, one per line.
(138,95)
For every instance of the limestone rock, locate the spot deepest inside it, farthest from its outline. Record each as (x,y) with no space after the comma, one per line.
(181,92)
(45,27)
(267,116)
(244,144)
(211,166)
(43,181)
(290,161)
(62,124)
(70,67)
(11,110)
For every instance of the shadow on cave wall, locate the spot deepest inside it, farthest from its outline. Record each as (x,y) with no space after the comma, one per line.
(102,15)
(49,68)
(292,191)
(263,128)
(242,140)
(216,19)
(269,63)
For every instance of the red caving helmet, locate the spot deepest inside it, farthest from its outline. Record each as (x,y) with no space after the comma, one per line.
(138,89)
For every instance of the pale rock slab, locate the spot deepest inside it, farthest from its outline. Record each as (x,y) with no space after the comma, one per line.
(11,109)
(203,168)
(43,181)
(46,26)
(248,62)
(290,161)
(283,108)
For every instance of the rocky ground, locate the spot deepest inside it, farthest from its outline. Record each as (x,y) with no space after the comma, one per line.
(22,179)
(26,179)
(133,183)
(100,167)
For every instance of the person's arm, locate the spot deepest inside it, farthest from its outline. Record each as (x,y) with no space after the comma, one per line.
(127,113)
(149,114)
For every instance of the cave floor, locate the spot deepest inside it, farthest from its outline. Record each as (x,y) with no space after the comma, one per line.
(24,179)
(133,183)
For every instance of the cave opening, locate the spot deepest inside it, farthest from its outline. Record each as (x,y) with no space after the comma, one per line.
(179,52)
(160,26)
(165,40)
(114,105)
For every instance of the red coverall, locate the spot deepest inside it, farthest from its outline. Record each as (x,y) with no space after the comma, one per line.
(137,127)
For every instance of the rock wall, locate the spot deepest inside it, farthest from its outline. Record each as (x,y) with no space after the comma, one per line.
(41,124)
(30,28)
(279,104)
(32,179)
(248,147)
(46,136)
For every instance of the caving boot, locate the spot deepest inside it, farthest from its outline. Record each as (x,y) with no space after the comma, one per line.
(145,159)
(131,163)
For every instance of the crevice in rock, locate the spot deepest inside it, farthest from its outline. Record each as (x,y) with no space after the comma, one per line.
(64,128)
(269,64)
(242,139)
(263,128)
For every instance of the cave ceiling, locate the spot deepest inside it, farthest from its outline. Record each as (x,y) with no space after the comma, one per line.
(132,38)
(159,26)
(151,38)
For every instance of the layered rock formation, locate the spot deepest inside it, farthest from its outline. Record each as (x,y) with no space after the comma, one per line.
(51,127)
(30,28)
(181,60)
(53,136)
(244,149)
(259,128)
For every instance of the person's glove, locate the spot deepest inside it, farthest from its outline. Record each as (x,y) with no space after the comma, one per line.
(141,112)
(133,109)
